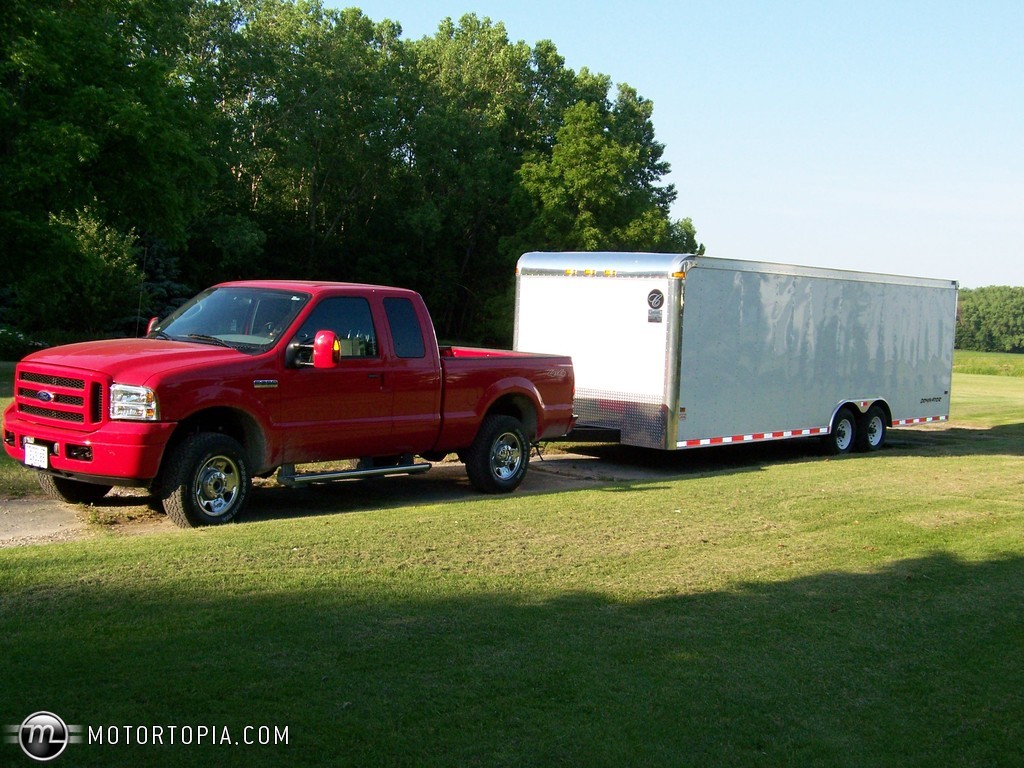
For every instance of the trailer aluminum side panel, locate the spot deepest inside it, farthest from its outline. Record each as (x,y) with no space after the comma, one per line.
(680,351)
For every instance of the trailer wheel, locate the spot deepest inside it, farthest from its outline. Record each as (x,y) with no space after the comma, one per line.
(71,491)
(842,436)
(496,462)
(207,481)
(871,431)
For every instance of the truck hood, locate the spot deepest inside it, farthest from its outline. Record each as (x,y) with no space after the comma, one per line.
(133,361)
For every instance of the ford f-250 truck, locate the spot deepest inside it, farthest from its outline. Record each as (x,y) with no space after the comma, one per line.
(253,377)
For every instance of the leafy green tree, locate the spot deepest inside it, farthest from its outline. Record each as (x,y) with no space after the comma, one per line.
(98,289)
(191,141)
(94,120)
(598,189)
(991,319)
(467,142)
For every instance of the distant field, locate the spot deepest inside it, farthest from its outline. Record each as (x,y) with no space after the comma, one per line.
(988,363)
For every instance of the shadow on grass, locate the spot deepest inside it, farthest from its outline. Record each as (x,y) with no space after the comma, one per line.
(955,441)
(616,467)
(917,664)
(1004,440)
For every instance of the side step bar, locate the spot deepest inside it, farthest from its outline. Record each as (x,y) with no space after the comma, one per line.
(286,474)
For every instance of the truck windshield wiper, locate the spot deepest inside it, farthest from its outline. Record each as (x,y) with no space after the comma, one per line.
(202,337)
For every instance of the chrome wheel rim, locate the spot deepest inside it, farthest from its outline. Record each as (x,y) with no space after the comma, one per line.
(506,456)
(216,486)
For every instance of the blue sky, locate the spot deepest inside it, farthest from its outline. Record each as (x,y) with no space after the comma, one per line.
(884,136)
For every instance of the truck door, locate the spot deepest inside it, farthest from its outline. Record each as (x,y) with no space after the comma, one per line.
(415,378)
(343,411)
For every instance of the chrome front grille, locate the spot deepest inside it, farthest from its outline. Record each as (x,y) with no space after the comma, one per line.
(55,397)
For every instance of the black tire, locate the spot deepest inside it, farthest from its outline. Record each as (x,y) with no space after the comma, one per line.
(206,481)
(871,430)
(843,435)
(497,460)
(72,491)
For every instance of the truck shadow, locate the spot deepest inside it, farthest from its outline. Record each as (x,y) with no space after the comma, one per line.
(611,467)
(442,484)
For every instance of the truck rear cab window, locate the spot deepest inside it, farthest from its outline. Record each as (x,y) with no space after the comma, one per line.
(349,318)
(406,331)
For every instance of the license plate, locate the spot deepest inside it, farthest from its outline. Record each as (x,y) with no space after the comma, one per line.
(37,456)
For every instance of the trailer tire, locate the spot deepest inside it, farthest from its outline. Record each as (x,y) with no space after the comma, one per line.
(871,431)
(72,491)
(496,461)
(843,434)
(207,481)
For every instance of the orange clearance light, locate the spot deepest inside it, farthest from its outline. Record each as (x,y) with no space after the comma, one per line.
(680,275)
(570,273)
(610,273)
(589,272)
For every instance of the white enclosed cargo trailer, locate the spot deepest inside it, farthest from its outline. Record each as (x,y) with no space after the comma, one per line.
(678,351)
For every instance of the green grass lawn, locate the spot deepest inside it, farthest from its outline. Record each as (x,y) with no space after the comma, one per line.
(774,608)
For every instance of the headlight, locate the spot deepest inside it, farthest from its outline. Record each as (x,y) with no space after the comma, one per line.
(133,403)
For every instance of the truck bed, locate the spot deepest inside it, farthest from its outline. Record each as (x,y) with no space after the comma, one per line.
(474,376)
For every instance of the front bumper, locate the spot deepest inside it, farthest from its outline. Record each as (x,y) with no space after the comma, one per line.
(118,452)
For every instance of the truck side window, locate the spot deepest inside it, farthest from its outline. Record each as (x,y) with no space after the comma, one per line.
(405,328)
(350,319)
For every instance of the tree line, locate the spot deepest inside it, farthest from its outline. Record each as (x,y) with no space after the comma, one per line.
(149,148)
(991,319)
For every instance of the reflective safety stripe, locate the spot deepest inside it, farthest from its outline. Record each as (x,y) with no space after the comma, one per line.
(752,438)
(759,436)
(925,420)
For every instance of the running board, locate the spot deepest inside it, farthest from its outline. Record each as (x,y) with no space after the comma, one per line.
(286,474)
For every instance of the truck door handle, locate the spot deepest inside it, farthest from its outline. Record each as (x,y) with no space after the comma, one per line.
(373,375)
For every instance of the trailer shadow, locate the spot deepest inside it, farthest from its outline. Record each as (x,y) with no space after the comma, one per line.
(1001,440)
(1007,439)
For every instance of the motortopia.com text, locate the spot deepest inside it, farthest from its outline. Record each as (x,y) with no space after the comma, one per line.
(187,735)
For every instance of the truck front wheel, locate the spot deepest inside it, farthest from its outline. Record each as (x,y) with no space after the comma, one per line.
(71,491)
(843,434)
(496,462)
(207,480)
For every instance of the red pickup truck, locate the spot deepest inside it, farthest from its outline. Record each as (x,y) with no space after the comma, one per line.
(253,377)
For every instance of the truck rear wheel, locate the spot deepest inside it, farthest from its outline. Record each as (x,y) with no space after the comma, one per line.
(207,481)
(871,430)
(843,434)
(496,462)
(71,491)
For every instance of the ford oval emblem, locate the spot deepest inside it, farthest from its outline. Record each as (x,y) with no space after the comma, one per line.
(46,397)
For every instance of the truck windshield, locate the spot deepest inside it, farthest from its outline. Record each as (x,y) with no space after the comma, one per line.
(247,319)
